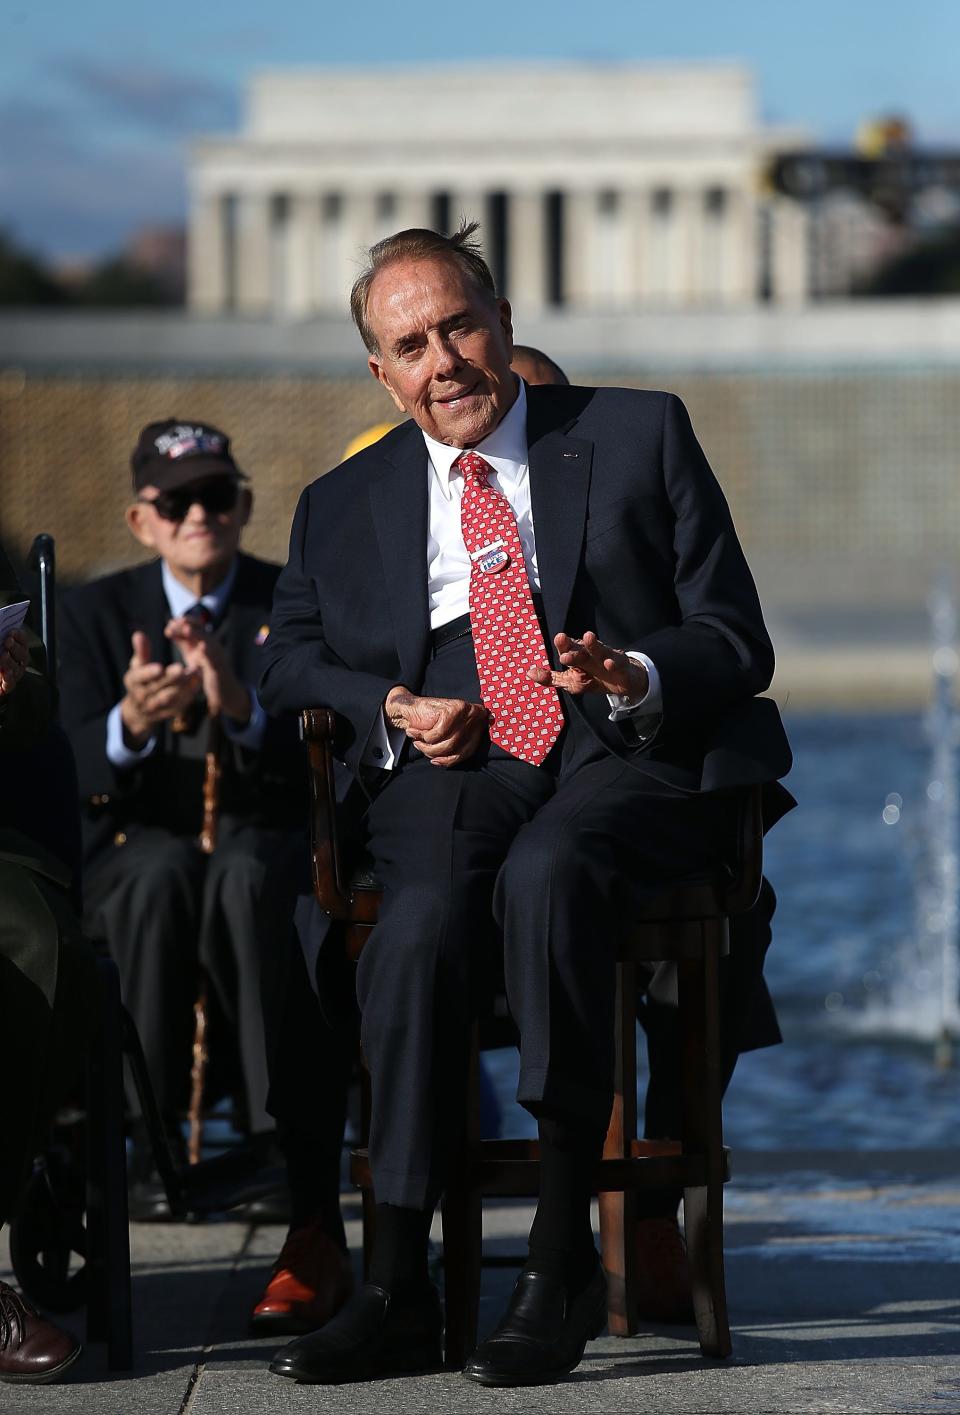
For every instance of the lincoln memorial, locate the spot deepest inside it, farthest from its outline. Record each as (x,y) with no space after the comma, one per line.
(599,188)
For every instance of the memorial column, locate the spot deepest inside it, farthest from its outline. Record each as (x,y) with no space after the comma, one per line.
(254,269)
(208,289)
(527,251)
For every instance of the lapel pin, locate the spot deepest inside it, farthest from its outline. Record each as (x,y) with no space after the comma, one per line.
(571,454)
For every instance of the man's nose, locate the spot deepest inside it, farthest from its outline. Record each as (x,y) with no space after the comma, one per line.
(445,358)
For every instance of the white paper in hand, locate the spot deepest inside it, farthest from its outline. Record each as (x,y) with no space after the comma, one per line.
(12,616)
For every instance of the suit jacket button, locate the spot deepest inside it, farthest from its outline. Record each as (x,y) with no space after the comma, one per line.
(120,838)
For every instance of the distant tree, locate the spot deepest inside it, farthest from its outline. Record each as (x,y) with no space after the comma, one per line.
(931,268)
(24,280)
(117,283)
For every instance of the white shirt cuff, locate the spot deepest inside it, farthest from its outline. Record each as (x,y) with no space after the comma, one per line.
(644,714)
(118,753)
(250,735)
(383,745)
(652,701)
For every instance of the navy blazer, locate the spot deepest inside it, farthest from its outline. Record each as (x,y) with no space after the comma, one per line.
(634,540)
(97,622)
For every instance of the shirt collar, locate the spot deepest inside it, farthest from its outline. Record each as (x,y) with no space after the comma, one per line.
(505,448)
(180,599)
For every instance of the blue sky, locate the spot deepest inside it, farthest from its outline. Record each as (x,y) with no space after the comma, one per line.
(98,99)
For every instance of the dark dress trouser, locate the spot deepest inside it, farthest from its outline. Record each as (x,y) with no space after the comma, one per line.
(554,859)
(164,909)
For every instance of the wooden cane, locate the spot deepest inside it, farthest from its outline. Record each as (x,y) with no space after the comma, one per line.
(212,772)
(207,840)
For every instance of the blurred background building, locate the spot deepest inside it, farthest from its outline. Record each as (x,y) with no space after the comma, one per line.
(598,187)
(648,228)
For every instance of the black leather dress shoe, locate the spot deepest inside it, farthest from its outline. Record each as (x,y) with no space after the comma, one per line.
(374,1335)
(542,1333)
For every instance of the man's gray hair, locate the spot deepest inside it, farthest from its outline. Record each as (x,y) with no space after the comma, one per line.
(461,248)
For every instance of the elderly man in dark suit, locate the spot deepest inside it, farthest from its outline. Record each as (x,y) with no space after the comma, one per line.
(159,667)
(748,1021)
(531,613)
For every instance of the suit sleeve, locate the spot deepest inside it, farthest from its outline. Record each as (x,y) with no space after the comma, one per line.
(90,685)
(719,654)
(301,670)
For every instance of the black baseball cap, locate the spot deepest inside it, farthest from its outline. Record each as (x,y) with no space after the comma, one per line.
(175,452)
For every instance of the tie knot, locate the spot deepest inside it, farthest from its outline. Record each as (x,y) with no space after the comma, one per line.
(474,467)
(200,614)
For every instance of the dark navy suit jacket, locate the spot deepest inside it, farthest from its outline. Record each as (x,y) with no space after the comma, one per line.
(634,540)
(97,622)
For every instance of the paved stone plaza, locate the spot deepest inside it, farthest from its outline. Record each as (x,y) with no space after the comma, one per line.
(844,1284)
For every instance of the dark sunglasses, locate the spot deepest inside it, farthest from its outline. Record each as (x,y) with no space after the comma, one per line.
(218,494)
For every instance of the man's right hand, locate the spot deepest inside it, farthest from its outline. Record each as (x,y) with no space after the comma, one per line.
(14,657)
(154,693)
(446,730)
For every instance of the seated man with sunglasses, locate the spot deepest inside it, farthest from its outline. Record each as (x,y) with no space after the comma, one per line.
(158,665)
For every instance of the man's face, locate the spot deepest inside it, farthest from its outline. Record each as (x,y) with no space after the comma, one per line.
(196,539)
(444,348)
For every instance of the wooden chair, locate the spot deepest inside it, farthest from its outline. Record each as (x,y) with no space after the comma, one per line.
(686,923)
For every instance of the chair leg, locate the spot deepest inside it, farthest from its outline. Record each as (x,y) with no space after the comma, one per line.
(463,1233)
(618,1209)
(462,1258)
(702,1132)
(368,1201)
(109,1307)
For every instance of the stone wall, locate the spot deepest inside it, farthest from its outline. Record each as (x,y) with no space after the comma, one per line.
(817,466)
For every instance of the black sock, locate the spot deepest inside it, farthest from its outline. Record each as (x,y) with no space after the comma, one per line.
(313,1179)
(399,1262)
(561,1239)
(658,1203)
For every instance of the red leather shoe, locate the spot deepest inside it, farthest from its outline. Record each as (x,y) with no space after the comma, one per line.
(311,1280)
(663,1274)
(32,1350)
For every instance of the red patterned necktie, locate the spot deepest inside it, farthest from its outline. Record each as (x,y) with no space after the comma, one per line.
(525,717)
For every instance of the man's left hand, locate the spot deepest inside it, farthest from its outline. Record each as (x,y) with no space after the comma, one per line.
(591,666)
(222,688)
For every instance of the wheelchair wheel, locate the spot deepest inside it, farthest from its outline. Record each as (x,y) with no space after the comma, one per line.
(48,1242)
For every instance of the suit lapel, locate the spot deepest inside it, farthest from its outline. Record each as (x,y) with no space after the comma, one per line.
(398,503)
(559,486)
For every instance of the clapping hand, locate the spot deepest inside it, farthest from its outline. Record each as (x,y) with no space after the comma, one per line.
(205,655)
(591,666)
(154,692)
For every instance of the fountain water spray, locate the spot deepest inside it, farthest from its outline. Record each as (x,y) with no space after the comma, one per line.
(938,897)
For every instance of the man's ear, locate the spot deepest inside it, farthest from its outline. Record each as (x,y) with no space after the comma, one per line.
(136,519)
(380,374)
(506,323)
(246,505)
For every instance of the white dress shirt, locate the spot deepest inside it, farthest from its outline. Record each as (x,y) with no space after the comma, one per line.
(448,560)
(180,599)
